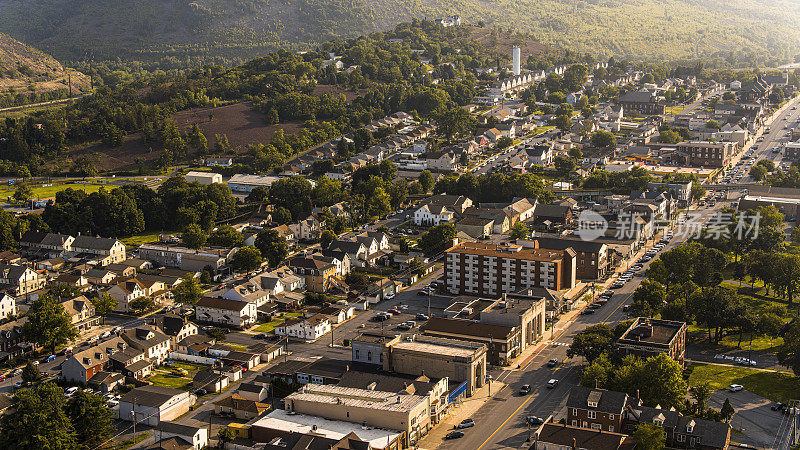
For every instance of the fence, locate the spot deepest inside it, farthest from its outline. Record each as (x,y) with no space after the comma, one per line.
(192,358)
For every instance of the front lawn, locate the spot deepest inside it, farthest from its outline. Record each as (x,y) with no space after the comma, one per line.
(776,386)
(164,377)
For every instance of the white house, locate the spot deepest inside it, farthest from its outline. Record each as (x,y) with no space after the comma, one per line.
(307,229)
(432,215)
(147,338)
(149,405)
(8,306)
(247,292)
(197,437)
(126,292)
(223,311)
(309,329)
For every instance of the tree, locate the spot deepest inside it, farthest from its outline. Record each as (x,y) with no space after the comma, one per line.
(562,122)
(700,393)
(768,164)
(38,421)
(758,172)
(727,410)
(592,342)
(426,180)
(520,230)
(438,238)
(789,352)
(603,139)
(245,259)
(48,325)
(23,192)
(141,304)
(648,436)
(91,419)
(326,237)
(226,435)
(712,124)
(503,142)
(564,166)
(193,236)
(599,372)
(456,123)
(575,77)
(188,292)
(104,304)
(30,373)
(273,246)
(649,298)
(225,236)
(217,333)
(662,382)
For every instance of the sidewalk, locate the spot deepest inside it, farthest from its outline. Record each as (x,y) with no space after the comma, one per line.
(464,410)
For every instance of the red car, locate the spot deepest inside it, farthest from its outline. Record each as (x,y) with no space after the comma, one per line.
(394,312)
(2,378)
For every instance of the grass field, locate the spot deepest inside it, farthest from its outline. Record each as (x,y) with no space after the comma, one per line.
(145,238)
(269,327)
(772,385)
(45,190)
(675,110)
(165,378)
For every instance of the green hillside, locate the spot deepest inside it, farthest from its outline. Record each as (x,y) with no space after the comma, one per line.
(738,30)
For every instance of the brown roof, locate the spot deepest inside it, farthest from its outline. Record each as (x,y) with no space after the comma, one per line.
(506,251)
(239,403)
(584,438)
(222,303)
(438,325)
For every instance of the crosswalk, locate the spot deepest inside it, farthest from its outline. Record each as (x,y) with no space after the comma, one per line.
(563,344)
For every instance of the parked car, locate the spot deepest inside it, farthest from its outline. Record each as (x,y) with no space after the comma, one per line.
(587,311)
(735,387)
(466,423)
(454,435)
(552,383)
(394,312)
(50,358)
(422,317)
(533,420)
(525,389)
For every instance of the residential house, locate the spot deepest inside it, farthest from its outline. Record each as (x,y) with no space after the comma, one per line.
(8,306)
(307,229)
(195,437)
(99,276)
(147,338)
(81,313)
(131,363)
(445,162)
(597,409)
(239,407)
(83,365)
(105,251)
(39,245)
(176,327)
(318,274)
(19,280)
(308,329)
(79,282)
(554,436)
(643,102)
(222,311)
(285,232)
(126,292)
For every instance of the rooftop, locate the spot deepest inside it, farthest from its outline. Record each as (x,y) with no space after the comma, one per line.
(652,331)
(506,251)
(281,420)
(357,398)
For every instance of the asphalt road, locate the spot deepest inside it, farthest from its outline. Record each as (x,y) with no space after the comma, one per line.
(500,423)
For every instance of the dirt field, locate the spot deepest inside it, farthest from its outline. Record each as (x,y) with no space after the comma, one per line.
(238,121)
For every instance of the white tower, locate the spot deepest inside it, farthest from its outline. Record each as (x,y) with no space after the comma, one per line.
(517,56)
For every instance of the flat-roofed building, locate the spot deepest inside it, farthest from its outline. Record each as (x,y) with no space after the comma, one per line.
(591,257)
(649,337)
(707,153)
(462,362)
(246,183)
(475,268)
(403,412)
(186,258)
(502,341)
(785,200)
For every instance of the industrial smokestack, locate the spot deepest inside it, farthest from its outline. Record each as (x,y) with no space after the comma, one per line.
(517,58)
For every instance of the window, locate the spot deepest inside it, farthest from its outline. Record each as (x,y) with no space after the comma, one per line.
(356,354)
(611,428)
(610,417)
(592,414)
(681,438)
(597,426)
(574,411)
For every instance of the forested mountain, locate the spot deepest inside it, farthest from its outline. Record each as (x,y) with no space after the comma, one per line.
(743,32)
(28,75)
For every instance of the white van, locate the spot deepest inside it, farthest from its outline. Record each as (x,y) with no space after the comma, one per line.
(69,392)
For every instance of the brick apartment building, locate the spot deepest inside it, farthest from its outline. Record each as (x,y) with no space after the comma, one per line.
(487,269)
(649,337)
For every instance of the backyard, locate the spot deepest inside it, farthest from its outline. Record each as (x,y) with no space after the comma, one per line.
(269,327)
(165,377)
